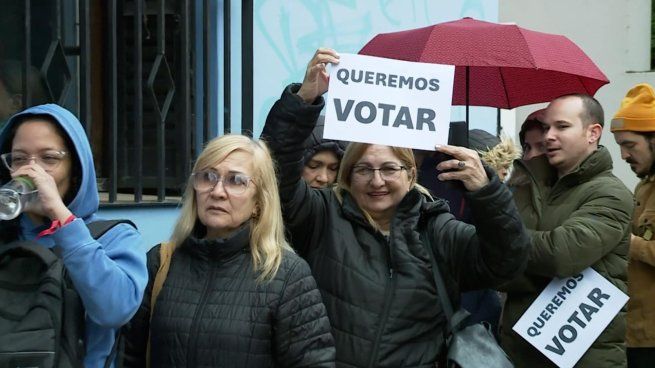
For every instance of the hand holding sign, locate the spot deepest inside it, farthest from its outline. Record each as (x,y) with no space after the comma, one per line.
(316,77)
(383,101)
(569,315)
(464,166)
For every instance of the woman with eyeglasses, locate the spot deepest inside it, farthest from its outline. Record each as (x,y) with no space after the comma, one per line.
(235,295)
(48,145)
(362,238)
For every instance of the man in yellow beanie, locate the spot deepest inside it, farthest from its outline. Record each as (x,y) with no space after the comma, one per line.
(634,130)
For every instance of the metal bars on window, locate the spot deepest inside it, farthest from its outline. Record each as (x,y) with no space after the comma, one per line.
(35,58)
(127,69)
(153,102)
(136,156)
(247,67)
(27,56)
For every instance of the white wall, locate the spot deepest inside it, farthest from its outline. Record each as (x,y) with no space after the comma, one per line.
(616,36)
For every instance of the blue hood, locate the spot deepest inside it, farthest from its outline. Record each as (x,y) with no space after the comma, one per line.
(85,201)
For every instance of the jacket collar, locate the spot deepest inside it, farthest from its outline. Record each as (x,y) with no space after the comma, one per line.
(222,248)
(596,163)
(542,173)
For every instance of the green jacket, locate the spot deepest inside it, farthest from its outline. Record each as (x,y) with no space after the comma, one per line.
(577,221)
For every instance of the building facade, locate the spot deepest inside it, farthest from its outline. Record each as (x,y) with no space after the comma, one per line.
(153,80)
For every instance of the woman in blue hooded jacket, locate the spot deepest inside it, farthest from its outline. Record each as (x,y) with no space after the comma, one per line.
(48,144)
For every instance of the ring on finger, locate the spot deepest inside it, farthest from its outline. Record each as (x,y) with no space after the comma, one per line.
(461,165)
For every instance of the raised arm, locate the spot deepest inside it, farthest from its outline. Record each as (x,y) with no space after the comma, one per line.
(290,121)
(493,251)
(293,117)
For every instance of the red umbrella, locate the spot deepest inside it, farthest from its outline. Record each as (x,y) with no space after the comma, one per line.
(506,65)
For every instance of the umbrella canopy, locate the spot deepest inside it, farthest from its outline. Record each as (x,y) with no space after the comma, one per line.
(508,66)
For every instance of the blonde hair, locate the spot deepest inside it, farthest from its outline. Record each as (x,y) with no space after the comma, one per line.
(267,242)
(355,151)
(501,155)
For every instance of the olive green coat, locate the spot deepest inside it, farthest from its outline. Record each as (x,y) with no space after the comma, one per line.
(580,220)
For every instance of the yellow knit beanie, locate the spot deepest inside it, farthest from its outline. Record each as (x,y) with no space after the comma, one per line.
(637,112)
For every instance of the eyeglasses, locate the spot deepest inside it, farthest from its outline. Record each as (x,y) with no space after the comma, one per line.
(387,172)
(48,160)
(233,183)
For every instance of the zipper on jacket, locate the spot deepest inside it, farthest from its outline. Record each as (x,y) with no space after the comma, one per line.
(388,289)
(193,340)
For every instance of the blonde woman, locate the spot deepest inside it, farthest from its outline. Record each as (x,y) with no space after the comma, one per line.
(236,295)
(362,239)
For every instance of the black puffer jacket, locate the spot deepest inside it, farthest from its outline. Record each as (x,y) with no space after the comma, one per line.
(379,292)
(211,312)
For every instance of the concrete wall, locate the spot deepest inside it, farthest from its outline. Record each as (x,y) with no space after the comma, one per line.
(614,33)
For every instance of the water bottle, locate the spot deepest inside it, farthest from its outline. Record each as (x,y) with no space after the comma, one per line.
(15,197)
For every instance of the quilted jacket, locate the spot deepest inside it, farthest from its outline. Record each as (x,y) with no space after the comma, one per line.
(211,312)
(379,290)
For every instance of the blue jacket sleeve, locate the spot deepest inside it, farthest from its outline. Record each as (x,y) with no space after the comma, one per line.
(109,273)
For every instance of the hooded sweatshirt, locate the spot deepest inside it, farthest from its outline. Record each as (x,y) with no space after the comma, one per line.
(109,273)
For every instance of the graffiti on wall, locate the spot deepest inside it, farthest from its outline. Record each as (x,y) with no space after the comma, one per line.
(287,32)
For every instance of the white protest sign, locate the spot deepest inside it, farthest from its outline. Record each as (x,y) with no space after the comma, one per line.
(569,315)
(389,102)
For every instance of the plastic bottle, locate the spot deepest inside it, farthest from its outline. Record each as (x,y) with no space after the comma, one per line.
(15,197)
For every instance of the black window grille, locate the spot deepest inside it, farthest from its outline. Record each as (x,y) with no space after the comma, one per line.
(652,35)
(126,68)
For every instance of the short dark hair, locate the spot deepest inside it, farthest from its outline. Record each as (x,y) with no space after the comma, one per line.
(592,111)
(528,125)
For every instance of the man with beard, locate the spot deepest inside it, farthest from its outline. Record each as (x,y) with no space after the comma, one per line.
(634,130)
